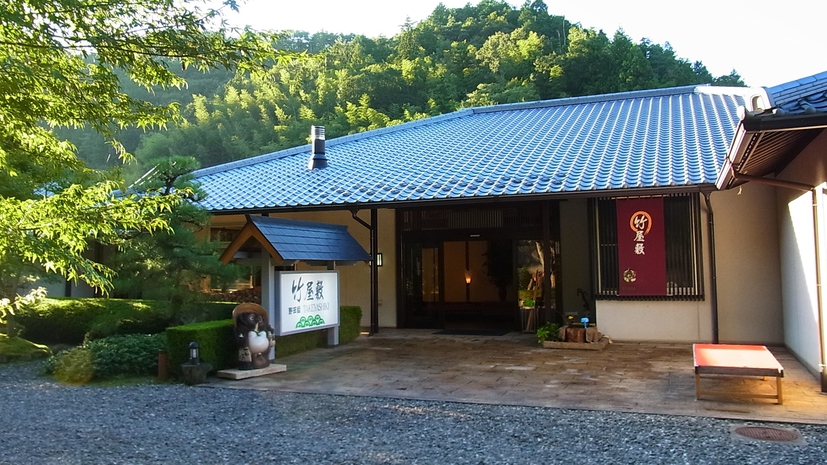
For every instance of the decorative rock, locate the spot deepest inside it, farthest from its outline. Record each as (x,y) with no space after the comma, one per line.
(593,335)
(195,373)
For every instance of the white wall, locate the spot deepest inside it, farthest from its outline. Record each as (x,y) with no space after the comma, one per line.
(748,262)
(798,271)
(797,242)
(670,321)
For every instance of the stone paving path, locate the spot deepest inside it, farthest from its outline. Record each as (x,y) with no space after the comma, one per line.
(514,370)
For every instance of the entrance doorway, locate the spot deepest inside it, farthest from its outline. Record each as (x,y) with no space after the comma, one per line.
(423,285)
(480,268)
(448,285)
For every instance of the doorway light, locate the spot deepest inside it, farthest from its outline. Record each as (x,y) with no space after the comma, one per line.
(378,259)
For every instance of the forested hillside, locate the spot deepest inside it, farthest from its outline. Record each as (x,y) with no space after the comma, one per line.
(458,57)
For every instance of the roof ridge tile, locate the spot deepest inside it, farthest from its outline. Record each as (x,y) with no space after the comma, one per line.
(331,142)
(565,101)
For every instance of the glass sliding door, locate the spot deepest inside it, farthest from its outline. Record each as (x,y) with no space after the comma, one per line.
(537,296)
(423,285)
(477,267)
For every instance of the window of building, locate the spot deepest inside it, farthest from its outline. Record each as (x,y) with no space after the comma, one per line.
(223,234)
(684,273)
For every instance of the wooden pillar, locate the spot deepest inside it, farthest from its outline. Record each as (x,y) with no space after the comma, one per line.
(548,315)
(269,296)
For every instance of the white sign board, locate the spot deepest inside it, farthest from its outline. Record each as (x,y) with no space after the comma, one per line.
(307,301)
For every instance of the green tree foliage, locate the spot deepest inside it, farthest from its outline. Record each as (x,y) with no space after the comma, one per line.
(51,203)
(172,264)
(482,54)
(732,79)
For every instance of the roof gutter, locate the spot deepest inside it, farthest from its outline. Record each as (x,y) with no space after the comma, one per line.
(464,201)
(781,122)
(373,229)
(713,268)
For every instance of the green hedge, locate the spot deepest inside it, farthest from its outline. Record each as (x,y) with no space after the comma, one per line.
(72,320)
(218,348)
(215,340)
(351,323)
(197,312)
(132,354)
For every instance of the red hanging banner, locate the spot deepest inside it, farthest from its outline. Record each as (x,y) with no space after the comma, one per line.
(641,247)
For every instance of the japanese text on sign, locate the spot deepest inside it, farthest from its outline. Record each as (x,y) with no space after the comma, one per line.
(641,224)
(309,290)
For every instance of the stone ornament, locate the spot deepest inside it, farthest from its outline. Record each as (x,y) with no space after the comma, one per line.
(254,336)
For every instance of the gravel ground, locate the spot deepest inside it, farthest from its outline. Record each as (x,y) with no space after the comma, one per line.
(44,422)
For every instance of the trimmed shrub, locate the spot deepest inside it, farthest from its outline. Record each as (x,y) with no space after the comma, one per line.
(198,312)
(132,317)
(71,320)
(61,320)
(350,323)
(215,341)
(133,354)
(74,366)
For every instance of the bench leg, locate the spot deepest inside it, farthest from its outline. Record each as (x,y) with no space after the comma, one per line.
(778,390)
(697,386)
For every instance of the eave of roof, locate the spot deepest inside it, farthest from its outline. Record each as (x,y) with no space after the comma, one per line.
(661,139)
(766,142)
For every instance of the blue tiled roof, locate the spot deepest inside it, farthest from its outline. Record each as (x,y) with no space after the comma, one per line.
(803,95)
(644,139)
(309,241)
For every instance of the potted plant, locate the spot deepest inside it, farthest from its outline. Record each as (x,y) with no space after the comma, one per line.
(548,332)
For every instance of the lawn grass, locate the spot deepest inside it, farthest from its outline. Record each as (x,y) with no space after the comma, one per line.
(16,349)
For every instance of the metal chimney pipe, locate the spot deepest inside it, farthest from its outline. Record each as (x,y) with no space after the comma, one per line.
(317,157)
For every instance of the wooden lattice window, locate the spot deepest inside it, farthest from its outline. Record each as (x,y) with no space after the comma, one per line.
(684,271)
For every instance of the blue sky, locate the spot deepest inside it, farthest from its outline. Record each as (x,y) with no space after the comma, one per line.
(768,42)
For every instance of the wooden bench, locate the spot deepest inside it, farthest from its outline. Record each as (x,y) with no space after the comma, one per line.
(736,360)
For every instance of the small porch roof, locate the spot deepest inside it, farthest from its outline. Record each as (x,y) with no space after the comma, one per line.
(292,241)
